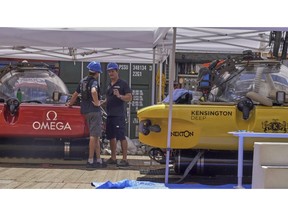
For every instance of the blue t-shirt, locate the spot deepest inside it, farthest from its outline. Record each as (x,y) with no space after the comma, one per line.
(86,105)
(115,106)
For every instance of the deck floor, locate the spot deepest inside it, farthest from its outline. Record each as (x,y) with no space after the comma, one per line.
(50,175)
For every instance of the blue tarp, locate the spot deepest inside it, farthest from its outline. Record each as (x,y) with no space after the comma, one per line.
(128,184)
(133,184)
(177,93)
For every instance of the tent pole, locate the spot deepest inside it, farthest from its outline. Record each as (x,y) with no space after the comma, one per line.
(82,70)
(153,78)
(171,81)
(160,82)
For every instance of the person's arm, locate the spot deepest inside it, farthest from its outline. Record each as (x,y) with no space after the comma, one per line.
(73,99)
(103,101)
(127,97)
(95,98)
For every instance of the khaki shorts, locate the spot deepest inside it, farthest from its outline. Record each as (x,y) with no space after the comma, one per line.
(94,122)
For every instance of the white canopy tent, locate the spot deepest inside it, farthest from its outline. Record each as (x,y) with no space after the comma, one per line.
(79,44)
(219,40)
(125,44)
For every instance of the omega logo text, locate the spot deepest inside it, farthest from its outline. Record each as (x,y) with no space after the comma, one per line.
(51,123)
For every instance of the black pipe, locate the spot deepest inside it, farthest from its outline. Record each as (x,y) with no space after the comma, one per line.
(213,163)
(43,148)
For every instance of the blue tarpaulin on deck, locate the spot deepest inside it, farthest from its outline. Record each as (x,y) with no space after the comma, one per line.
(128,184)
(133,184)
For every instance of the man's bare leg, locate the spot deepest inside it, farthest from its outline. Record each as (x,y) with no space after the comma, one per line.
(113,148)
(92,145)
(124,146)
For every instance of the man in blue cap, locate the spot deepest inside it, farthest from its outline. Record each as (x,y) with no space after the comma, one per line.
(90,108)
(118,93)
